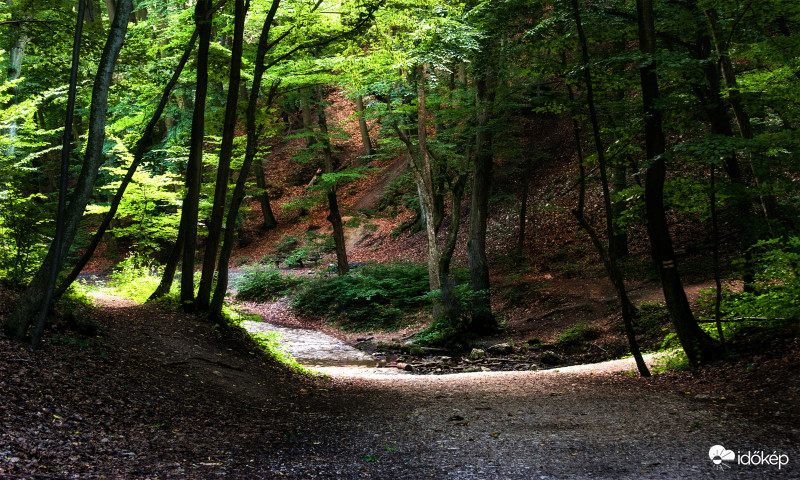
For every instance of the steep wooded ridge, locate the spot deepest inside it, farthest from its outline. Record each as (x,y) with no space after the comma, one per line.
(469,187)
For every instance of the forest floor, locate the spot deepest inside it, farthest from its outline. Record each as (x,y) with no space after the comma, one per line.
(158,394)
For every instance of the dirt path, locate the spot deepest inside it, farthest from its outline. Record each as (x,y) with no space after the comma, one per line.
(162,395)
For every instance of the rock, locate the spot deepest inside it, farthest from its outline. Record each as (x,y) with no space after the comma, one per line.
(550,358)
(472,370)
(445,359)
(477,354)
(501,349)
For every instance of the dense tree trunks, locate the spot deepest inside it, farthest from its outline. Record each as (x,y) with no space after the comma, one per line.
(224,167)
(58,239)
(269,221)
(31,300)
(742,118)
(482,318)
(144,143)
(194,168)
(334,216)
(362,126)
(699,347)
(221,289)
(610,259)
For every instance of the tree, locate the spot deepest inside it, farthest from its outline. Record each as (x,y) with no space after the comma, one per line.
(697,344)
(19,321)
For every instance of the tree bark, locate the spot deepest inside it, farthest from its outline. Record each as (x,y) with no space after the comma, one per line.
(482,319)
(215,311)
(268,215)
(31,300)
(334,216)
(362,126)
(194,168)
(144,143)
(523,210)
(610,259)
(699,347)
(224,168)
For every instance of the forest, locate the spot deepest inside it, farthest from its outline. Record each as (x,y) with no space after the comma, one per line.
(577,206)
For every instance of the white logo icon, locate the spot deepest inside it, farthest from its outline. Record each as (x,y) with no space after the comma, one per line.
(718,454)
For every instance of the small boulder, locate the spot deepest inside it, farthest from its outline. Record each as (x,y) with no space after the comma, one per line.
(501,349)
(550,358)
(477,354)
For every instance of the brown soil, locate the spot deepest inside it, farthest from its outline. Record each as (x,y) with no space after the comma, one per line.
(163,395)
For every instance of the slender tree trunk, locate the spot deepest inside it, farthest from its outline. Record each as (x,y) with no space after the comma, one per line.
(215,311)
(111,10)
(619,182)
(194,169)
(523,210)
(334,216)
(699,347)
(58,239)
(308,121)
(768,202)
(263,197)
(32,299)
(421,166)
(609,259)
(482,318)
(144,143)
(224,168)
(362,125)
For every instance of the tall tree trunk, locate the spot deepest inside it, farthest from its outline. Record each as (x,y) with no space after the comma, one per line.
(224,168)
(215,312)
(268,215)
(194,168)
(609,258)
(31,300)
(768,202)
(58,239)
(523,209)
(619,182)
(482,318)
(144,143)
(699,347)
(362,126)
(111,10)
(334,216)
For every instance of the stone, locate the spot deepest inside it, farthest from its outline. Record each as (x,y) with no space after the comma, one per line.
(550,358)
(477,354)
(501,349)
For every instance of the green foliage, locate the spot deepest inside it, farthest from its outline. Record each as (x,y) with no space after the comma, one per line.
(576,338)
(22,244)
(264,284)
(674,360)
(371,296)
(135,278)
(776,290)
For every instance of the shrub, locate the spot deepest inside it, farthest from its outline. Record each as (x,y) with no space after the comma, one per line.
(264,283)
(576,338)
(371,296)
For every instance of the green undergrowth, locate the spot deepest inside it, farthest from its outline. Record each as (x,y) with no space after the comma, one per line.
(271,345)
(264,283)
(372,296)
